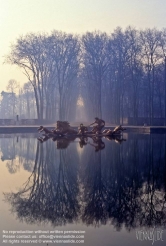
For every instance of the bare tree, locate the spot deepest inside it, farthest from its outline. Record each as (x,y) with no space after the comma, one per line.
(64,52)
(150,39)
(95,66)
(163,47)
(11,88)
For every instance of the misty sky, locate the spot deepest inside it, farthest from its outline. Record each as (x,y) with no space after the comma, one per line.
(19,17)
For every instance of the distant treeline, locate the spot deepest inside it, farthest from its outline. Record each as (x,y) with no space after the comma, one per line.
(118,75)
(17,100)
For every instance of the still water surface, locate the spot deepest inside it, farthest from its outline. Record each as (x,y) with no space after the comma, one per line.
(108,189)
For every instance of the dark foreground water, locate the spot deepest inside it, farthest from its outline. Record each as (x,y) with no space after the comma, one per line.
(102,191)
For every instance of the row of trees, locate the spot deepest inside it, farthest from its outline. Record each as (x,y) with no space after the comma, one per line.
(127,73)
(118,75)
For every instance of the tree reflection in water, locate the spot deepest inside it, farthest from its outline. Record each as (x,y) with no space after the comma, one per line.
(122,184)
(50,193)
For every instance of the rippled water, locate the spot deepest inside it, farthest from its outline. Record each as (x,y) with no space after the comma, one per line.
(108,188)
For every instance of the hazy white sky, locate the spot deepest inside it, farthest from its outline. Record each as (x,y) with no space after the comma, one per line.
(19,17)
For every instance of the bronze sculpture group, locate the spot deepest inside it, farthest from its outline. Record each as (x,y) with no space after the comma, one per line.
(63,133)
